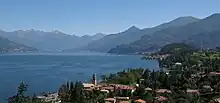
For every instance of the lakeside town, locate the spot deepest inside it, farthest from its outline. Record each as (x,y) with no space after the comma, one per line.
(187,75)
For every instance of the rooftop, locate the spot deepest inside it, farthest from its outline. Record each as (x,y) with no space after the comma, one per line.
(110,99)
(140,101)
(148,89)
(163,91)
(192,91)
(161,98)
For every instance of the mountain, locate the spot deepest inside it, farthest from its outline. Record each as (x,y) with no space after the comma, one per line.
(133,34)
(49,41)
(93,37)
(188,33)
(9,46)
(88,40)
(206,39)
(110,41)
(181,21)
(97,36)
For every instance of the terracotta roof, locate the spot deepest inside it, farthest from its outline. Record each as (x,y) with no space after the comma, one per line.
(161,98)
(122,86)
(140,101)
(108,88)
(192,91)
(125,87)
(215,73)
(110,99)
(217,100)
(163,91)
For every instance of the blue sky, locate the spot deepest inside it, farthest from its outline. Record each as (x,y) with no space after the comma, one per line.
(87,17)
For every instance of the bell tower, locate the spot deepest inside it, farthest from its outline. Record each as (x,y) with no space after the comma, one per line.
(94,81)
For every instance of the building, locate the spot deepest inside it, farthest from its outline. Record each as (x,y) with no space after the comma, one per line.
(163,91)
(217,100)
(110,100)
(50,97)
(122,99)
(148,89)
(94,79)
(192,91)
(104,91)
(88,86)
(161,99)
(140,101)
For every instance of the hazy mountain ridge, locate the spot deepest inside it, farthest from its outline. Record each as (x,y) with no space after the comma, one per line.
(183,29)
(186,33)
(133,34)
(111,40)
(9,46)
(49,41)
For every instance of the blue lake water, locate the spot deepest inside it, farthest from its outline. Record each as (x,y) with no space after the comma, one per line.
(45,72)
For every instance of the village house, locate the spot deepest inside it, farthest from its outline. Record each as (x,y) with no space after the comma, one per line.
(110,100)
(217,100)
(140,101)
(206,89)
(118,100)
(214,73)
(160,99)
(50,97)
(88,86)
(148,89)
(159,92)
(122,99)
(192,91)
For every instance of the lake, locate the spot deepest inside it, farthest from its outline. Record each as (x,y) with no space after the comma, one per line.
(45,72)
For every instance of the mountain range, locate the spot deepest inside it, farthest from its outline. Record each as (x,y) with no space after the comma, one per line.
(49,41)
(190,30)
(9,46)
(133,34)
(205,32)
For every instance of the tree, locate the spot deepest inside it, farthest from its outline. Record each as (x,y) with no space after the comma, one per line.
(19,97)
(63,93)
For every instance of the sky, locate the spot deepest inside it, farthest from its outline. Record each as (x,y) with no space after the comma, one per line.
(88,17)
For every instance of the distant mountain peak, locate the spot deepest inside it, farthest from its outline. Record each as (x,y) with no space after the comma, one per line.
(133,29)
(180,21)
(56,31)
(185,19)
(99,34)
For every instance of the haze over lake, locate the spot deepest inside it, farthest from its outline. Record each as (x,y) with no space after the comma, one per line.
(45,72)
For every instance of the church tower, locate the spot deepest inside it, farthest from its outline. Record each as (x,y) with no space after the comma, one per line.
(94,80)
